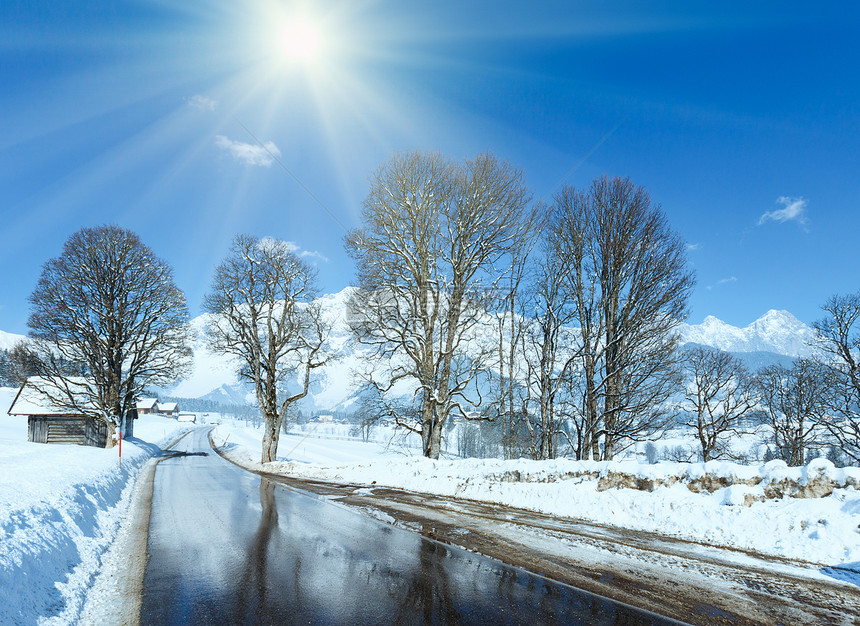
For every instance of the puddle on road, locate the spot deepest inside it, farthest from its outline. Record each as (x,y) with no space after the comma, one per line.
(246,550)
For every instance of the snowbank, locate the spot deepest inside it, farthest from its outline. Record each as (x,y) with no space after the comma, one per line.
(809,514)
(60,507)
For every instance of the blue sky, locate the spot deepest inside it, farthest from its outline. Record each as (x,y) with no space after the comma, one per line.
(741,119)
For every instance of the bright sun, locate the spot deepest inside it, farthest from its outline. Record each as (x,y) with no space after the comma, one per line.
(301,41)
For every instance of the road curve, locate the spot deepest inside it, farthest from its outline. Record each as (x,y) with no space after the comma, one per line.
(227,547)
(690,581)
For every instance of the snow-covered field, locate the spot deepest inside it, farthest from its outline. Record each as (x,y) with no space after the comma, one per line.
(718,503)
(60,507)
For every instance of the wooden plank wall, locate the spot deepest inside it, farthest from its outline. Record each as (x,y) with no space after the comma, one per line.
(67,430)
(37,429)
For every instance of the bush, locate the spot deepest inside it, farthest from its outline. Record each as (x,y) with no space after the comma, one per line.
(651,453)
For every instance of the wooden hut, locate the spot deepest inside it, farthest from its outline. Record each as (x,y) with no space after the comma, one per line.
(52,421)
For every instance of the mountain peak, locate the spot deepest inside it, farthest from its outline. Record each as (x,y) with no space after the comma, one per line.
(779,314)
(777,331)
(778,322)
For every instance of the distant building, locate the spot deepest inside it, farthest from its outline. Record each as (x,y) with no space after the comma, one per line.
(50,419)
(168,408)
(147,406)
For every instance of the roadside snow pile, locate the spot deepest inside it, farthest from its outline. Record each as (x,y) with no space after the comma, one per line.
(774,479)
(809,513)
(60,507)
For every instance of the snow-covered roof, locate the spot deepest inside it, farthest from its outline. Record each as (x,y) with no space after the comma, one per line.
(42,396)
(147,403)
(166,406)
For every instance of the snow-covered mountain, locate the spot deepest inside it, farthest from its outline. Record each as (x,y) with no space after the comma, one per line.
(213,376)
(777,336)
(778,332)
(8,340)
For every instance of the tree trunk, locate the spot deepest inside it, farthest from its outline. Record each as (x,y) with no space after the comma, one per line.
(544,451)
(608,447)
(111,433)
(592,420)
(271,437)
(503,394)
(434,444)
(706,447)
(432,434)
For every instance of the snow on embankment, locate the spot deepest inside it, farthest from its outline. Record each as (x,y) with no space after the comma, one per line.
(737,484)
(809,513)
(60,507)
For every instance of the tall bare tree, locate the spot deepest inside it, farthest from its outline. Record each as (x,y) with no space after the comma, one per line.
(627,273)
(263,313)
(839,340)
(550,346)
(796,402)
(571,236)
(108,306)
(719,393)
(433,233)
(509,405)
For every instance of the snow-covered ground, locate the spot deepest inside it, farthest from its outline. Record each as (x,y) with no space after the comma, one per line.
(60,507)
(718,503)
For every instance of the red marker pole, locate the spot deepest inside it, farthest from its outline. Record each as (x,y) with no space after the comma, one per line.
(120,447)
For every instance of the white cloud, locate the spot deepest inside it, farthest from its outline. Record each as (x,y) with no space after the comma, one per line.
(270,243)
(248,153)
(692,247)
(723,281)
(202,102)
(290,246)
(313,255)
(794,210)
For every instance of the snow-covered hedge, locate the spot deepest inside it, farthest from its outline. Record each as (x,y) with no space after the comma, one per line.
(772,480)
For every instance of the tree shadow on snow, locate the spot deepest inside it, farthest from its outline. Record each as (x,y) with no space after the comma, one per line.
(144,445)
(846,572)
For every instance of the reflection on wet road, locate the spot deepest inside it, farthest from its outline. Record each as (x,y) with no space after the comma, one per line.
(228,547)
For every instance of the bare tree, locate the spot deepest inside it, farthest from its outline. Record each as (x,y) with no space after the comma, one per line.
(839,340)
(108,306)
(508,395)
(263,313)
(626,270)
(433,233)
(550,346)
(24,362)
(796,401)
(571,234)
(509,404)
(719,393)
(574,419)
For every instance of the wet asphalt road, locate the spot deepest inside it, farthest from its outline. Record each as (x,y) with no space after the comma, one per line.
(229,547)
